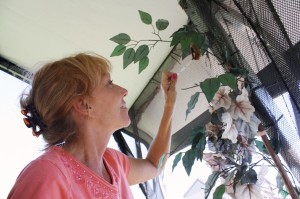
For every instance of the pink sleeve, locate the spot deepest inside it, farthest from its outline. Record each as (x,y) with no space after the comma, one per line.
(122,160)
(41,179)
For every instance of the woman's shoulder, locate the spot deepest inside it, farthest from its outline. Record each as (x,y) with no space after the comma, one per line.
(111,151)
(115,154)
(117,159)
(39,176)
(49,161)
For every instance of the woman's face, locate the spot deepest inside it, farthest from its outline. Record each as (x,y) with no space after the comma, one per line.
(108,105)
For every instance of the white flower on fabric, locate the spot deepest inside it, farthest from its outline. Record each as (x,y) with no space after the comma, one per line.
(228,185)
(248,129)
(230,131)
(244,94)
(221,99)
(242,107)
(214,160)
(248,191)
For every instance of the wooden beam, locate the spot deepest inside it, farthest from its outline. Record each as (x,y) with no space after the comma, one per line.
(281,170)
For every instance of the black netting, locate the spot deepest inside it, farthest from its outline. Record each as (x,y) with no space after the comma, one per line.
(265,21)
(289,14)
(263,37)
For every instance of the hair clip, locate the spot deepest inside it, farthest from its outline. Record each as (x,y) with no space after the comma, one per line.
(29,121)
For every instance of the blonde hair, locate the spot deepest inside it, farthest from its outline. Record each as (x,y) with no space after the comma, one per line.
(56,84)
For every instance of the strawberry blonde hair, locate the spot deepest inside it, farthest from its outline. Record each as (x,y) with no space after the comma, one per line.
(56,84)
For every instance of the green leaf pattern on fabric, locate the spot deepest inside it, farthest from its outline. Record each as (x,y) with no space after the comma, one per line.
(121,38)
(145,17)
(128,57)
(191,105)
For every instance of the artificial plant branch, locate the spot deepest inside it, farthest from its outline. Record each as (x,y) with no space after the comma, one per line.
(196,85)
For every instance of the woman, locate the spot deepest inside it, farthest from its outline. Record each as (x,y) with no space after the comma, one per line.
(76,107)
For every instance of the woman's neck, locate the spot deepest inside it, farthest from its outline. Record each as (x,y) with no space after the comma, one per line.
(89,150)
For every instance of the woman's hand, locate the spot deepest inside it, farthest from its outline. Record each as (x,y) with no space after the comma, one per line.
(168,85)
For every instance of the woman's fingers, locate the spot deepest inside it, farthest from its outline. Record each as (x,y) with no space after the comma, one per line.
(173,81)
(168,81)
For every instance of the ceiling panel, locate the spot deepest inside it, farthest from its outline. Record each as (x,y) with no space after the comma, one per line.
(36,31)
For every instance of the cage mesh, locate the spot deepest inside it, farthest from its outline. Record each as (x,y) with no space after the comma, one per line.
(263,37)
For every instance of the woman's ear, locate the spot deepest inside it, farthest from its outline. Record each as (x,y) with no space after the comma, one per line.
(80,105)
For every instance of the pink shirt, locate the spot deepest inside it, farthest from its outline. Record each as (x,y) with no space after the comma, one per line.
(57,175)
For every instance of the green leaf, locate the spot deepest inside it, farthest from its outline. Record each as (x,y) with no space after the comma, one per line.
(176,36)
(186,42)
(284,193)
(119,50)
(220,190)
(121,38)
(274,142)
(128,57)
(190,38)
(198,140)
(162,24)
(145,17)
(192,103)
(228,79)
(198,39)
(200,147)
(176,160)
(210,87)
(210,182)
(141,53)
(250,177)
(143,64)
(162,160)
(261,147)
(196,134)
(188,161)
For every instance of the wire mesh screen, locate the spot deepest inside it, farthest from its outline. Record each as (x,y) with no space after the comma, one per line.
(266,22)
(263,37)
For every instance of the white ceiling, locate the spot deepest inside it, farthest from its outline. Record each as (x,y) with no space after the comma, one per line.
(36,31)
(33,32)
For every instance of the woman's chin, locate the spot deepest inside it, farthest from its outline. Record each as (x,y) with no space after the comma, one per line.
(128,123)
(125,123)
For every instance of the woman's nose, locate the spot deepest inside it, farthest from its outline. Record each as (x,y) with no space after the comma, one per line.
(124,91)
